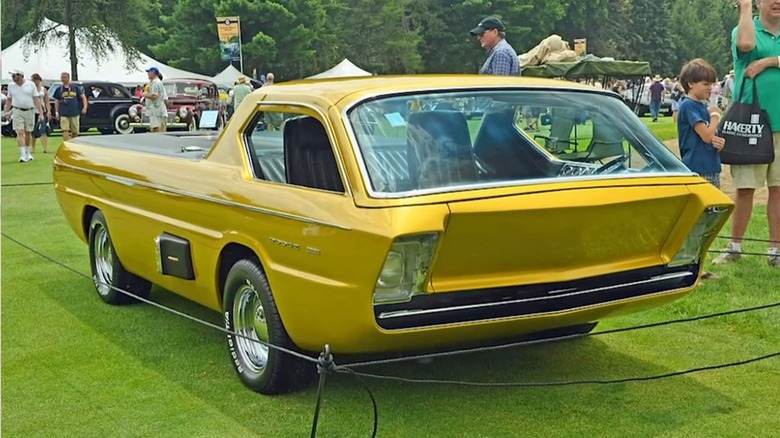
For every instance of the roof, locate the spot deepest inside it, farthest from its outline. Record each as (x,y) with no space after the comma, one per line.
(353,88)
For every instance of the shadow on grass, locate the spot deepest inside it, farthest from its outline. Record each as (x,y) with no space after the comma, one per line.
(195,357)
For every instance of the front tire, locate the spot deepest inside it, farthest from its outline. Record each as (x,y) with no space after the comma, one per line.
(251,312)
(122,124)
(108,270)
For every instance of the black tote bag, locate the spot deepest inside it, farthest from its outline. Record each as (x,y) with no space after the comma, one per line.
(747,132)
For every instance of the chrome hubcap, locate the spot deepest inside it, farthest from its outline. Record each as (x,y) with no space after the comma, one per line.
(104,260)
(123,124)
(250,322)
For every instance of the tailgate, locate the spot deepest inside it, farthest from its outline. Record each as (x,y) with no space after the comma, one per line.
(556,236)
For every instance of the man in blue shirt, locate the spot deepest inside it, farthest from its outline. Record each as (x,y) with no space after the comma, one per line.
(501,57)
(70,103)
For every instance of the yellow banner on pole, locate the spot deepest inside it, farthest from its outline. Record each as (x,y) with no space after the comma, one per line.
(229,32)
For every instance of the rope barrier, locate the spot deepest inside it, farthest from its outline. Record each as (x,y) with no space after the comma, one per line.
(326,364)
(158,305)
(27,184)
(570,382)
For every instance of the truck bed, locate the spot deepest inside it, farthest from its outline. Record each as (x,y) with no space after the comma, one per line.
(188,145)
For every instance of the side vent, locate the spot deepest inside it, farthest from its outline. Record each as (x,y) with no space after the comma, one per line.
(174,256)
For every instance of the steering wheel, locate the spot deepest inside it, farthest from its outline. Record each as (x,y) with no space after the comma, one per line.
(612,165)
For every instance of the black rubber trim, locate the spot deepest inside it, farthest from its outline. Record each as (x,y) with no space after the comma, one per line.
(566,297)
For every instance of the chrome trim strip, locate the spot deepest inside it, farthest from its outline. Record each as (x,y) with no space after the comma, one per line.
(121,180)
(366,178)
(408,313)
(331,137)
(173,191)
(533,315)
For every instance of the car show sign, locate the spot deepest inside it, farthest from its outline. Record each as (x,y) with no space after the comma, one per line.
(229,32)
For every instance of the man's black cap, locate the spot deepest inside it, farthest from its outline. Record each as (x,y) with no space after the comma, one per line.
(487,24)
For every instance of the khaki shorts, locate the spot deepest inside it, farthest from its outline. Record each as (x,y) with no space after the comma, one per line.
(158,122)
(70,124)
(23,120)
(756,176)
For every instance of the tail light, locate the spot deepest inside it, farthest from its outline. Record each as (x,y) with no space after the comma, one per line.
(406,268)
(702,232)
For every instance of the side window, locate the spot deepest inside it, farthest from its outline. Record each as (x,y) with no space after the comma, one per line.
(96,92)
(292,148)
(116,92)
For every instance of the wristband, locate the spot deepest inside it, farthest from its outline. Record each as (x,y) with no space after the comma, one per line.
(778,61)
(713,114)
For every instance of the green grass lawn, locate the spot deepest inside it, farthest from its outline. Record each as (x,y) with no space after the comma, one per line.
(664,128)
(75,367)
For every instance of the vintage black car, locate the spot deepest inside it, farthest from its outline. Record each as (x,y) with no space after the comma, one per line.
(107,110)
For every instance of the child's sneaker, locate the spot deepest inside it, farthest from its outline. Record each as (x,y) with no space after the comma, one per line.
(731,254)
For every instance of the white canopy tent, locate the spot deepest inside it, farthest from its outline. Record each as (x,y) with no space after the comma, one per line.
(53,59)
(343,69)
(228,76)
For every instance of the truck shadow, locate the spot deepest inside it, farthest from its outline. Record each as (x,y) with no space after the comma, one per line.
(195,357)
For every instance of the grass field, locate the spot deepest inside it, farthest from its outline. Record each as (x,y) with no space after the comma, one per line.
(75,367)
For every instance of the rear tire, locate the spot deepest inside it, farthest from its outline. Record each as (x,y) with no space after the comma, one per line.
(108,270)
(250,310)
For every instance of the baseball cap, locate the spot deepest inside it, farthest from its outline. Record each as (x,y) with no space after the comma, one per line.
(487,24)
(16,71)
(154,70)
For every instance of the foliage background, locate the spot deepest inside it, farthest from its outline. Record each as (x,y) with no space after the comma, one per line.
(296,38)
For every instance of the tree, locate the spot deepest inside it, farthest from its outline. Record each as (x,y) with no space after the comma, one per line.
(380,34)
(447,45)
(651,25)
(292,37)
(95,25)
(707,36)
(606,24)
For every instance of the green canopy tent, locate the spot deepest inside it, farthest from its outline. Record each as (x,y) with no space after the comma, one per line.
(589,68)
(592,68)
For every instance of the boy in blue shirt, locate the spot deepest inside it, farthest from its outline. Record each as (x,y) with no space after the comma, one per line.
(697,125)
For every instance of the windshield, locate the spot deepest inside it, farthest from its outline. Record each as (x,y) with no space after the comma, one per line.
(192,89)
(433,142)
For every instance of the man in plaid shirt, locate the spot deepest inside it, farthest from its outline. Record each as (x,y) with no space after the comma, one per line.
(501,57)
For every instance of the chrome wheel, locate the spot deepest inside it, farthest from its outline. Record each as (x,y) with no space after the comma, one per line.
(251,325)
(122,124)
(104,260)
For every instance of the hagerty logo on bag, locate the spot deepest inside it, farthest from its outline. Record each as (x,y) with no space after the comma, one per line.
(750,130)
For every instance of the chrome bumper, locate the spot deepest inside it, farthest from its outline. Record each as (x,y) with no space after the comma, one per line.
(436,309)
(169,125)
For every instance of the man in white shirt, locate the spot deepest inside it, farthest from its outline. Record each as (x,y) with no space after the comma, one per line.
(19,105)
(155,102)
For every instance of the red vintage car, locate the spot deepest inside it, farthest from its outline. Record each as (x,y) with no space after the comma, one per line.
(187,101)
